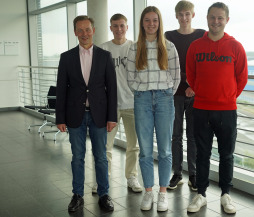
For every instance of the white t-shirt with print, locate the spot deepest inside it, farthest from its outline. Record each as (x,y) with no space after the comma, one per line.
(125,99)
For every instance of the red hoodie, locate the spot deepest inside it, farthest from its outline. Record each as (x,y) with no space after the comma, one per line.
(217,71)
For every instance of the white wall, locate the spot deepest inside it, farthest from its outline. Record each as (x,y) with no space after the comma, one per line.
(13,27)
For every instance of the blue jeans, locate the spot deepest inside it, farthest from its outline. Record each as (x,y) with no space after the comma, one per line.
(154,110)
(98,138)
(183,105)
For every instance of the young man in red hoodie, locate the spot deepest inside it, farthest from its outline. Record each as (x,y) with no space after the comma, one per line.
(216,69)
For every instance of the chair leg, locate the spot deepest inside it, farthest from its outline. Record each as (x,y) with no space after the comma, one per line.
(44,124)
(33,125)
(50,131)
(56,135)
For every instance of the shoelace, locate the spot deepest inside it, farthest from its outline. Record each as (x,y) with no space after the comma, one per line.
(228,200)
(195,199)
(147,196)
(134,182)
(162,197)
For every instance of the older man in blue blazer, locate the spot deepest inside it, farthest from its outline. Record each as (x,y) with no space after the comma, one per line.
(87,98)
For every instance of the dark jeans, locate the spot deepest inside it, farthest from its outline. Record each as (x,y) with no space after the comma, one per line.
(183,105)
(98,138)
(222,124)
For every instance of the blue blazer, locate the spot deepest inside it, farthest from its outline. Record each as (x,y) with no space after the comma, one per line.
(72,90)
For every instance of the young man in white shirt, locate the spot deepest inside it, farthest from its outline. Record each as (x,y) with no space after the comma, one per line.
(119,48)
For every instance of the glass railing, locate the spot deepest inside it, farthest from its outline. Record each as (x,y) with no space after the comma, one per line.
(244,149)
(34,83)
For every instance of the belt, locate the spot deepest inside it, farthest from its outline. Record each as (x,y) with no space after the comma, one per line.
(87,109)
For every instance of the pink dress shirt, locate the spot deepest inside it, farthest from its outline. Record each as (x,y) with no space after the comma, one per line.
(86,57)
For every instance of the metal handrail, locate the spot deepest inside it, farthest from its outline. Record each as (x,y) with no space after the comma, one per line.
(38,67)
(39,78)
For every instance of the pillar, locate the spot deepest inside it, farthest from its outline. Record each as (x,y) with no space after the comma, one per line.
(98,10)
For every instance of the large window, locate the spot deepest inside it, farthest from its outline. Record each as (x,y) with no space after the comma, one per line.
(82,8)
(37,4)
(45,3)
(124,7)
(51,36)
(54,36)
(239,27)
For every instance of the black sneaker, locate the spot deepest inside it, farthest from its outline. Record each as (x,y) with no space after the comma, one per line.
(192,183)
(76,203)
(176,180)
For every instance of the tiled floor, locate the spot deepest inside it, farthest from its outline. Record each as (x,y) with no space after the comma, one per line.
(35,179)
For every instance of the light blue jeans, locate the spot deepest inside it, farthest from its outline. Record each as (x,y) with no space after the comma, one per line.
(154,109)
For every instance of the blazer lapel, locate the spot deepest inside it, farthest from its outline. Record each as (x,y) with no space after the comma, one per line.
(92,72)
(77,64)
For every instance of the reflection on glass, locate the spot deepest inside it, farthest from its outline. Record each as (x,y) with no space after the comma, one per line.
(82,8)
(238,27)
(45,3)
(124,7)
(54,36)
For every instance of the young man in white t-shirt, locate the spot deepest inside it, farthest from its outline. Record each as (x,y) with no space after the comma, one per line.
(119,48)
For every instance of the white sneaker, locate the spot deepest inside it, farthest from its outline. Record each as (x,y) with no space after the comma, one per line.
(227,204)
(197,202)
(94,188)
(134,184)
(162,203)
(147,201)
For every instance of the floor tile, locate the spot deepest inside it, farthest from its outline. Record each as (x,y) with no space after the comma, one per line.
(36,180)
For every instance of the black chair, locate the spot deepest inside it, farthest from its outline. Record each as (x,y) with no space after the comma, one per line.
(50,103)
(51,99)
(48,109)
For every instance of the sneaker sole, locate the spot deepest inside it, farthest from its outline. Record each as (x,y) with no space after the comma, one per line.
(172,188)
(136,191)
(228,211)
(162,210)
(195,210)
(193,189)
(94,191)
(146,208)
